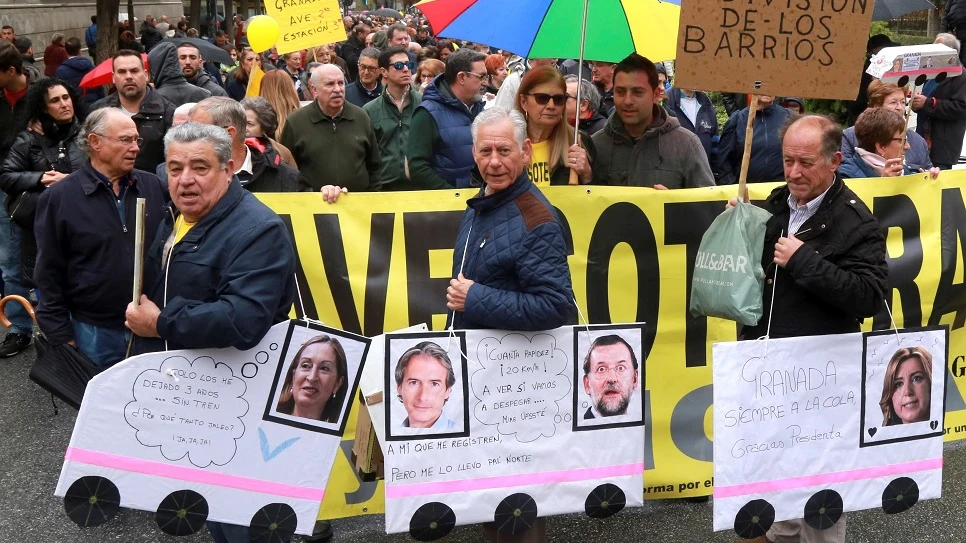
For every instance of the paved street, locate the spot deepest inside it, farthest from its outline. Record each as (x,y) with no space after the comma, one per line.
(34,440)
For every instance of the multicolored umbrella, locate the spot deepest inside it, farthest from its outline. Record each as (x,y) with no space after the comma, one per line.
(552,28)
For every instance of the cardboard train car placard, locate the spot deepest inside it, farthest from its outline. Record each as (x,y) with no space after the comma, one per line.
(811,427)
(915,63)
(241,437)
(502,426)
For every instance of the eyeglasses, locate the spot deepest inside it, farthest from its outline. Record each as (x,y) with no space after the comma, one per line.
(364,68)
(542,98)
(897,139)
(127,142)
(475,74)
(400,65)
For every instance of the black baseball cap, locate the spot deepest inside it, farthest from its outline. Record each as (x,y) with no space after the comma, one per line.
(879,41)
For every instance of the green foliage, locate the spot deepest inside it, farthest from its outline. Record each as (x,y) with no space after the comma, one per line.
(836,109)
(719,109)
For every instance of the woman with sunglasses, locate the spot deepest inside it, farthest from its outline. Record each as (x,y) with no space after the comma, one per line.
(37,161)
(542,99)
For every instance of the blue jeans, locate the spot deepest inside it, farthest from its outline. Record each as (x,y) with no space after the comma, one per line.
(12,274)
(228,533)
(104,346)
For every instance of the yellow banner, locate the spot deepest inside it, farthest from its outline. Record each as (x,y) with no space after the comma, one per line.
(380,262)
(305,24)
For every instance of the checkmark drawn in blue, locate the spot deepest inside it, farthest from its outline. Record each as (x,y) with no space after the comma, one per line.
(267,452)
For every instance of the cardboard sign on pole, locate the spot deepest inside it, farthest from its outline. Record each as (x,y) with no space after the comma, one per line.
(306,23)
(811,48)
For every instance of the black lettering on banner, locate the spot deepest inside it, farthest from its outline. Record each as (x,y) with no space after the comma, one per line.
(950,297)
(648,432)
(377,273)
(308,310)
(567,233)
(331,244)
(423,232)
(899,211)
(689,232)
(624,222)
(687,424)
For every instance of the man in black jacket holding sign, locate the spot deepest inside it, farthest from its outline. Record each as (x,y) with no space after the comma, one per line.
(824,257)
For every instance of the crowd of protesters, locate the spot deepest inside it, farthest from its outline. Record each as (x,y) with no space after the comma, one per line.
(388,109)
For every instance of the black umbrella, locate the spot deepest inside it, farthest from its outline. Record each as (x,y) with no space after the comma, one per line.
(92,501)
(182,512)
(208,50)
(62,370)
(515,514)
(274,523)
(386,12)
(899,495)
(823,509)
(432,521)
(885,10)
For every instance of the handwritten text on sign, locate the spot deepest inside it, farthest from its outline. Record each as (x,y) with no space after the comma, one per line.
(306,23)
(754,42)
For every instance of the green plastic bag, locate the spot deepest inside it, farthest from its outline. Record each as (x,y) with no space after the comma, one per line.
(728,278)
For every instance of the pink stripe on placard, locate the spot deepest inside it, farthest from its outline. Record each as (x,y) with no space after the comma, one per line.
(825,479)
(508,481)
(193,475)
(948,69)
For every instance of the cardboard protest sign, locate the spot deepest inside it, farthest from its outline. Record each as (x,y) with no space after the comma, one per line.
(903,64)
(811,427)
(487,424)
(810,48)
(306,23)
(243,437)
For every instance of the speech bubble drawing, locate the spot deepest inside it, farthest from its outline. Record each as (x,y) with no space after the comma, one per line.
(521,381)
(189,408)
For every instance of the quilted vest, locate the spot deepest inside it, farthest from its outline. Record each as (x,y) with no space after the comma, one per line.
(453,160)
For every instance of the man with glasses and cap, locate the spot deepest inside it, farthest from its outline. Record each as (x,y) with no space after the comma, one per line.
(440,149)
(392,114)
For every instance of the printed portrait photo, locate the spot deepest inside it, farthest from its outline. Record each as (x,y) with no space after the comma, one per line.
(608,376)
(425,386)
(903,385)
(317,374)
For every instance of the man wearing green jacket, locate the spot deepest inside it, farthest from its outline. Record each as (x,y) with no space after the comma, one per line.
(391,115)
(332,140)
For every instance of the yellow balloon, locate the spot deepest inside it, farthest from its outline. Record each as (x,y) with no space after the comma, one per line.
(263,32)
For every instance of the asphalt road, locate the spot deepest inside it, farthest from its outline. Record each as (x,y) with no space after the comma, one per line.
(33,441)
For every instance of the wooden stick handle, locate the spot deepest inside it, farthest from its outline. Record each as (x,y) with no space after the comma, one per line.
(746,158)
(139,250)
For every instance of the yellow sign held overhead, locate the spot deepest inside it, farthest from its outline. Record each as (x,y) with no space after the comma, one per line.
(306,23)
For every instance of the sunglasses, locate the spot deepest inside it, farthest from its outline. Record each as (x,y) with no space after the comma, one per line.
(400,65)
(543,98)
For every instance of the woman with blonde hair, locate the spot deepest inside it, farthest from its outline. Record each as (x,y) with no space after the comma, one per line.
(891,96)
(907,387)
(278,90)
(542,99)
(427,71)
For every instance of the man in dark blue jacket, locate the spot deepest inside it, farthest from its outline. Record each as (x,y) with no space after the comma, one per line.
(766,147)
(75,68)
(695,112)
(85,240)
(510,261)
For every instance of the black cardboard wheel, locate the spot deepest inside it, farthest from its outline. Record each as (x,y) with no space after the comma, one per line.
(605,500)
(754,519)
(900,495)
(274,523)
(823,509)
(92,501)
(432,521)
(183,512)
(515,514)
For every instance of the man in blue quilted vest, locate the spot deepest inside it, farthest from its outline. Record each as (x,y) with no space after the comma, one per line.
(510,260)
(440,148)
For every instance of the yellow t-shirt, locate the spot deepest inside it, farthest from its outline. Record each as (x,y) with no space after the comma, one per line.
(181,227)
(539,168)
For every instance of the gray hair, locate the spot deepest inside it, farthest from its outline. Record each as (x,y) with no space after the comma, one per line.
(430,349)
(191,132)
(264,114)
(184,109)
(307,73)
(225,112)
(370,52)
(587,92)
(949,41)
(97,123)
(497,114)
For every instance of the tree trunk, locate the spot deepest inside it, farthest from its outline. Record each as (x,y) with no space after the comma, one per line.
(194,14)
(932,23)
(229,26)
(244,10)
(130,17)
(107,11)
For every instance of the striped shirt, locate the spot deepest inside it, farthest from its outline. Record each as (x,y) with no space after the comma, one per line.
(801,213)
